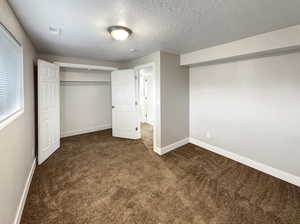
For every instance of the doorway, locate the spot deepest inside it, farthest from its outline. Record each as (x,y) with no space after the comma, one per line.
(146,103)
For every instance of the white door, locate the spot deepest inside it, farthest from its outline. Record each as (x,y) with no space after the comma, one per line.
(48,110)
(143,98)
(150,99)
(146,99)
(125,109)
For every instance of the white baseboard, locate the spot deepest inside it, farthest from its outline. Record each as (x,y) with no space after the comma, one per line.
(85,130)
(168,148)
(24,194)
(248,162)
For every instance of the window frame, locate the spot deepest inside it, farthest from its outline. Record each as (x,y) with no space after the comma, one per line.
(18,112)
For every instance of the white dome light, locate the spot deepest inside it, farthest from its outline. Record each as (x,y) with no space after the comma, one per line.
(119,32)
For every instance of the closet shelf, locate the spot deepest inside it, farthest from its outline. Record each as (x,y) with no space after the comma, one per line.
(88,67)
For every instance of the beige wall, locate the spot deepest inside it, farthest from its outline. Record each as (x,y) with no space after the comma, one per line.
(251,108)
(174,99)
(17,139)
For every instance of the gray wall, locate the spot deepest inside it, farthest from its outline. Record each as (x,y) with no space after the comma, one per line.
(251,108)
(174,99)
(17,139)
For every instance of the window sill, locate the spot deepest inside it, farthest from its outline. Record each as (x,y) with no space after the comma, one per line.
(11,118)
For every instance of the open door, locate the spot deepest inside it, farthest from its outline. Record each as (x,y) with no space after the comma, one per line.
(147,99)
(48,110)
(125,110)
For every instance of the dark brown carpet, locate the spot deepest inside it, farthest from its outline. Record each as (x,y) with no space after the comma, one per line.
(95,179)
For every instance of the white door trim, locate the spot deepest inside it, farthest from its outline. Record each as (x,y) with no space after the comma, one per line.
(156,115)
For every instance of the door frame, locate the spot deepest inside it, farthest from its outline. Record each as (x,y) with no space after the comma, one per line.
(155,123)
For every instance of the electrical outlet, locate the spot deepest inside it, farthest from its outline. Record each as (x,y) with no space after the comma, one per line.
(208,135)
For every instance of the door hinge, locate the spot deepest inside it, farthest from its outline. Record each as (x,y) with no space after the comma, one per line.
(136,103)
(136,129)
(135,77)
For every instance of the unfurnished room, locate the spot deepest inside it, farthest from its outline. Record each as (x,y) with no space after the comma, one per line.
(149,112)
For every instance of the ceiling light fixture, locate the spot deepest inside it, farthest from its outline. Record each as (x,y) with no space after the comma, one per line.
(119,32)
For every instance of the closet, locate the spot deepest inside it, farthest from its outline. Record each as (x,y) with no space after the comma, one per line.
(85,101)
(74,97)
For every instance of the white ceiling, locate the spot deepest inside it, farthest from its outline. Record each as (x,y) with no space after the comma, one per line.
(178,26)
(146,71)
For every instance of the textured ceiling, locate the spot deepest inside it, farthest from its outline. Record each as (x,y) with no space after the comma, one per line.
(177,26)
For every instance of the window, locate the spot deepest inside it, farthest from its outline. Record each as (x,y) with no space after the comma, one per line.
(11,78)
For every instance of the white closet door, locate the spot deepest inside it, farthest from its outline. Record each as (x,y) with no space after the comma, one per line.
(48,110)
(125,110)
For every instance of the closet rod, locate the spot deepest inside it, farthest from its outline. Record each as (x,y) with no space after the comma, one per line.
(81,83)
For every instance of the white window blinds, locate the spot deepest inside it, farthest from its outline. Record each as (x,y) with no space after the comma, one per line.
(11,76)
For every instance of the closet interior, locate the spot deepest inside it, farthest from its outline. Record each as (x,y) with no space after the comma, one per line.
(85,98)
